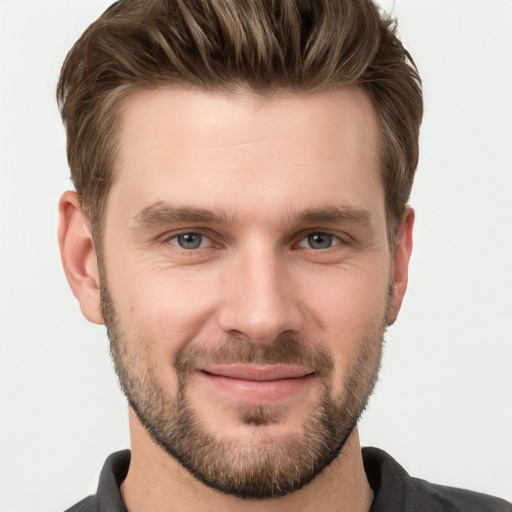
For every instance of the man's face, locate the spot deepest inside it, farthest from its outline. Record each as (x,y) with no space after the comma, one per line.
(246,277)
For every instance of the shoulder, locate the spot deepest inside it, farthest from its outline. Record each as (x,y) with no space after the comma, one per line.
(108,495)
(440,497)
(89,504)
(396,490)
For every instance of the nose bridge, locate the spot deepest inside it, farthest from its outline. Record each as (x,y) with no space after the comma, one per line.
(260,303)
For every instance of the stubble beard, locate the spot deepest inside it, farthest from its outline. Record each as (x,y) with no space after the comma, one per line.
(265,468)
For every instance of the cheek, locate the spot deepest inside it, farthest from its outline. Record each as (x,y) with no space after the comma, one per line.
(349,310)
(167,306)
(348,301)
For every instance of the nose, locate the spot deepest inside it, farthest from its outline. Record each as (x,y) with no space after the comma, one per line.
(260,300)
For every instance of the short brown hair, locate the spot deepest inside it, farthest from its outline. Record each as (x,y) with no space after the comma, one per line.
(265,45)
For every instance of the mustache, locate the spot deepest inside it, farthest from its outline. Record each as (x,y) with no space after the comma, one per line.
(285,349)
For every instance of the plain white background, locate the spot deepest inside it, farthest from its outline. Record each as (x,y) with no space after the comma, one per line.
(443,406)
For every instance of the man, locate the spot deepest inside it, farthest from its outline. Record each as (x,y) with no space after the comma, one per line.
(240,225)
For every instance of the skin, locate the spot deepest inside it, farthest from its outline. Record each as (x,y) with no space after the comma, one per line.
(261,163)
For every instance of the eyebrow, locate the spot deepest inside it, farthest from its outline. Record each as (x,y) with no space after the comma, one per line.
(332,215)
(163,213)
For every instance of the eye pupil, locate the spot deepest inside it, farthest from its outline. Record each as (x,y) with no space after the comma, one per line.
(320,240)
(189,240)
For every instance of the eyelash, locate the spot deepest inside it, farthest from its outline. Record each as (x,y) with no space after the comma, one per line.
(335,240)
(190,233)
(322,234)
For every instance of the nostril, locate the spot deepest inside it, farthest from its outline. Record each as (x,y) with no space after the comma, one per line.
(259,305)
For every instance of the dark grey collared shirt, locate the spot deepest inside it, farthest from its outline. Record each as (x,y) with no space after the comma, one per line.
(395,490)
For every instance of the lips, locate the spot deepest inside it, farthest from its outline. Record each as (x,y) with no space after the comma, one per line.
(258,372)
(257,383)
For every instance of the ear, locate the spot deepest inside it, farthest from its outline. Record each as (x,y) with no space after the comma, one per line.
(79,256)
(400,264)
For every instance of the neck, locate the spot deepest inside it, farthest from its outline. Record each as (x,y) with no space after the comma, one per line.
(157,482)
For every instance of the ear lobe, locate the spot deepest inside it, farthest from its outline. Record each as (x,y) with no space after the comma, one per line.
(400,264)
(79,256)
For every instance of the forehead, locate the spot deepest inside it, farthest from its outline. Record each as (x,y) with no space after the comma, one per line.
(246,151)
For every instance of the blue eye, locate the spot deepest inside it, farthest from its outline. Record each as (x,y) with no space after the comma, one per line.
(319,241)
(190,241)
